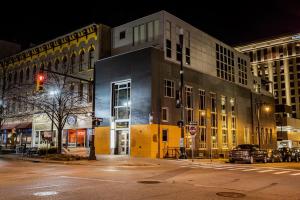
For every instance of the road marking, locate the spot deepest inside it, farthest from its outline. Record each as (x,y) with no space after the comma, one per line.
(40,187)
(42,194)
(238,168)
(283,172)
(264,171)
(297,174)
(248,170)
(92,179)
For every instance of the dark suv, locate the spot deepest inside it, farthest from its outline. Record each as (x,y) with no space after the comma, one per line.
(249,153)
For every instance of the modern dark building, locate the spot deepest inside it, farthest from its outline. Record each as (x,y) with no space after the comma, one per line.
(136,90)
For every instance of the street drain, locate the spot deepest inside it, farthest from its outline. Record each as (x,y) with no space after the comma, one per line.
(231,194)
(149,182)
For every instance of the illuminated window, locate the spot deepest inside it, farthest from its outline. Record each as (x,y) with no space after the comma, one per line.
(225,63)
(242,66)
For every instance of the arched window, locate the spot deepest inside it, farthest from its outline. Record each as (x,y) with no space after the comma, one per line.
(27,74)
(15,77)
(91,58)
(56,64)
(34,72)
(42,67)
(9,78)
(64,62)
(49,66)
(21,77)
(72,63)
(81,60)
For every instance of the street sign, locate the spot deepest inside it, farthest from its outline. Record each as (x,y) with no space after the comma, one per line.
(193,128)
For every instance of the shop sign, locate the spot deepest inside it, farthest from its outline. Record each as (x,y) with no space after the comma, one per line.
(72,120)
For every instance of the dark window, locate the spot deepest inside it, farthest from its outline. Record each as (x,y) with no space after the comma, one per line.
(283,93)
(292,84)
(188,56)
(169,48)
(15,77)
(258,55)
(293,92)
(34,72)
(291,77)
(275,86)
(72,67)
(81,60)
(49,66)
(165,135)
(91,58)
(293,99)
(21,76)
(27,74)
(122,35)
(56,64)
(274,53)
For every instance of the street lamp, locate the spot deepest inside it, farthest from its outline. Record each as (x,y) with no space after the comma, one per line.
(211,146)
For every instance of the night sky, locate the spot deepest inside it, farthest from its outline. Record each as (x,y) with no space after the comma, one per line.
(233,22)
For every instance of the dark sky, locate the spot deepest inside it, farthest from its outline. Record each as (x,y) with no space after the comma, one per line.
(231,21)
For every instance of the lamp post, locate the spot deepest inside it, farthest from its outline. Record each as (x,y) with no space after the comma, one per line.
(92,155)
(52,93)
(182,148)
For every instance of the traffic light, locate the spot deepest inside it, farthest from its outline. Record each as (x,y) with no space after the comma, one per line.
(40,82)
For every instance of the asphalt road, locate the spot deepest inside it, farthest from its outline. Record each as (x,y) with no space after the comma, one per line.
(160,180)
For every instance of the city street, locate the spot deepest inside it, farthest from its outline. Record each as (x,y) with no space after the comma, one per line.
(145,179)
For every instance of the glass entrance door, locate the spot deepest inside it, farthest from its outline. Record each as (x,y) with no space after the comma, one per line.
(123,142)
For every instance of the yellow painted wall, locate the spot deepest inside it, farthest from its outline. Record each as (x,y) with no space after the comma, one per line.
(144,140)
(102,140)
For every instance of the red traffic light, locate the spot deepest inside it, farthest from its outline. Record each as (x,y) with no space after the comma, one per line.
(41,77)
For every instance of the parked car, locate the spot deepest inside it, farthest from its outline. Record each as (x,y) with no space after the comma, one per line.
(274,156)
(286,154)
(249,153)
(296,154)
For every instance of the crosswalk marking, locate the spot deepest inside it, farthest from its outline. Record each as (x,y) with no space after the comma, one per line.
(297,174)
(268,170)
(283,172)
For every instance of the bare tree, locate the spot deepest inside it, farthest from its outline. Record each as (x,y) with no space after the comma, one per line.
(58,100)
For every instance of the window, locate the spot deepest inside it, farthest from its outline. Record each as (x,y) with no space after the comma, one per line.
(201,99)
(178,45)
(225,63)
(187,48)
(232,105)
(150,30)
(168,40)
(49,66)
(27,74)
(56,64)
(274,52)
(271,135)
(202,137)
(72,63)
(121,100)
(15,77)
(135,35)
(214,127)
(189,104)
(233,131)
(242,66)
(142,33)
(165,114)
(258,55)
(64,63)
(21,77)
(122,35)
(80,91)
(42,67)
(290,49)
(81,60)
(156,28)
(34,72)
(169,88)
(91,58)
(165,135)
(223,104)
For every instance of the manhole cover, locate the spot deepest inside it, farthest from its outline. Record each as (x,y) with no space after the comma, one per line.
(149,182)
(231,194)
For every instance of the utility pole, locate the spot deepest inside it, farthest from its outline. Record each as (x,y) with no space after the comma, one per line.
(181,90)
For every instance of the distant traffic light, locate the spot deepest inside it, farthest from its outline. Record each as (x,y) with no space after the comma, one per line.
(40,82)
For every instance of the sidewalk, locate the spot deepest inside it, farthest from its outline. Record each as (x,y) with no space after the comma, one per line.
(103,160)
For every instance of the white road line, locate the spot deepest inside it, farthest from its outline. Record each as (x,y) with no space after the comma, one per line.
(248,170)
(92,179)
(283,172)
(297,174)
(40,187)
(264,171)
